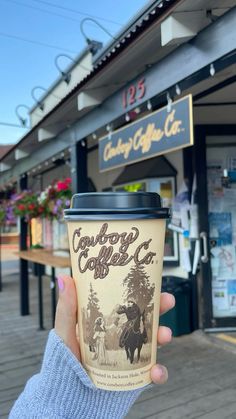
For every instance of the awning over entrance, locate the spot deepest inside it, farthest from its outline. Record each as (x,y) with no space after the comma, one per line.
(151,168)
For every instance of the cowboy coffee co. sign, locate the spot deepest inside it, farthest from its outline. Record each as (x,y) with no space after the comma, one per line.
(153,135)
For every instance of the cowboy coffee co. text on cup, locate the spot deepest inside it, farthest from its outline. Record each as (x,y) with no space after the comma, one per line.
(107,256)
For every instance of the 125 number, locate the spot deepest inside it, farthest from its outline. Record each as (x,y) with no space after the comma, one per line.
(133,93)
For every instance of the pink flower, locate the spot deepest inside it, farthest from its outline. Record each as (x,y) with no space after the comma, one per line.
(61,186)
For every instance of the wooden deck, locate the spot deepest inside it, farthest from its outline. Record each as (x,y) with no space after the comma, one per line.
(21,343)
(202,381)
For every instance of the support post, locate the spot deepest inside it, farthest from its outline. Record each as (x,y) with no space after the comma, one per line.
(79,173)
(53,295)
(189,170)
(24,276)
(0,258)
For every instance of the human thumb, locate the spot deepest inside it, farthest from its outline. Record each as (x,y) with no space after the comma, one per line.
(66,313)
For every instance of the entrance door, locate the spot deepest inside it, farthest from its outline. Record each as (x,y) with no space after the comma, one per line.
(216,178)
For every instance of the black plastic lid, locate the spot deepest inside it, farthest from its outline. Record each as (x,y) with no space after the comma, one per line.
(116,203)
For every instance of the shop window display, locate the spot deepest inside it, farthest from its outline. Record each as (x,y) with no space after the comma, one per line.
(165,187)
(221,182)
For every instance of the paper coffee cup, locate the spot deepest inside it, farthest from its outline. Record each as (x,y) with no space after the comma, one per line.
(116,247)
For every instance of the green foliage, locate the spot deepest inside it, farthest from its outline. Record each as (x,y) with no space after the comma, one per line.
(2,215)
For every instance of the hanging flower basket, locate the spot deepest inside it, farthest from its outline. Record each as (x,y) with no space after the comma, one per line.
(26,205)
(7,216)
(54,200)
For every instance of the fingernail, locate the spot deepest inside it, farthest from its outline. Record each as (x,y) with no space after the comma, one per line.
(170,333)
(60,282)
(162,371)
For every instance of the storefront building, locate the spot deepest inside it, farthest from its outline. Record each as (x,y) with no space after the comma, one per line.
(154,111)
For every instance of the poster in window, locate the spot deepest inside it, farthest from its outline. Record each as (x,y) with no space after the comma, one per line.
(220,228)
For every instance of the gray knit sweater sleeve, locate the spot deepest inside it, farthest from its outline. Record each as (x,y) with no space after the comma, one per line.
(63,389)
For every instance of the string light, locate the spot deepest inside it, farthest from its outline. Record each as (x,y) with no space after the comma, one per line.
(169,102)
(177,89)
(149,105)
(109,129)
(212,70)
(127,117)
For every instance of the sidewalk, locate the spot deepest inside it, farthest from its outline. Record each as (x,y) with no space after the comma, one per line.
(202,369)
(202,382)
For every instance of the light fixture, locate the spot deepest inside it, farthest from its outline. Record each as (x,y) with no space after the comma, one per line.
(149,105)
(177,89)
(212,70)
(127,117)
(94,46)
(109,128)
(67,75)
(94,136)
(22,120)
(39,102)
(160,5)
(169,102)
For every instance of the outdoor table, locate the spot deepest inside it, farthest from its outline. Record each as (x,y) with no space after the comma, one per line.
(43,257)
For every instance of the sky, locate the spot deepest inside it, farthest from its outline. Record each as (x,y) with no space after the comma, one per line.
(33,33)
